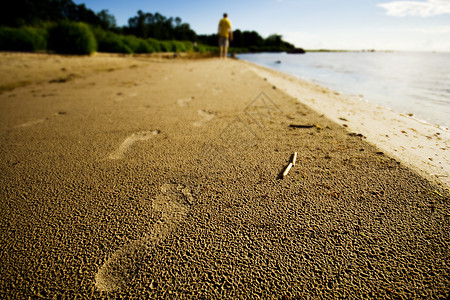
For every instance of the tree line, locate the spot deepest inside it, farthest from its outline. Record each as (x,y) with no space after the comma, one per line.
(41,13)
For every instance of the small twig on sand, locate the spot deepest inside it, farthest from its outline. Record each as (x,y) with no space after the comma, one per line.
(301,126)
(287,170)
(294,159)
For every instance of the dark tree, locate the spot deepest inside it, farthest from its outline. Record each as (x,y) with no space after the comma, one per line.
(18,13)
(148,25)
(106,20)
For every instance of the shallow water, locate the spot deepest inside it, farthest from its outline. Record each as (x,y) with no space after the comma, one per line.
(407,82)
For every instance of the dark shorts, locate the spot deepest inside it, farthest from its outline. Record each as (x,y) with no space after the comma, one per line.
(223,41)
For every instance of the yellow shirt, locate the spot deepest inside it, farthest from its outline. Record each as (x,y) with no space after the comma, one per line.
(224,27)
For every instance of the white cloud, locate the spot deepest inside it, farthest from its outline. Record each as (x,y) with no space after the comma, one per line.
(414,8)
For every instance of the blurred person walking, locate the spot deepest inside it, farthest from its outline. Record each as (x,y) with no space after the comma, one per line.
(225,34)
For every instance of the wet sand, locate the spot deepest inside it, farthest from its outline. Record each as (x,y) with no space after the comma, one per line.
(143,177)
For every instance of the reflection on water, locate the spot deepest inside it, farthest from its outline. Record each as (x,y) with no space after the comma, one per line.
(407,82)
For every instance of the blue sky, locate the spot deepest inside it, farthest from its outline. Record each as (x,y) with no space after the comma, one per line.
(422,25)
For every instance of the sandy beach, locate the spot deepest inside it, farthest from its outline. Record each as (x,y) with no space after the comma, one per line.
(148,177)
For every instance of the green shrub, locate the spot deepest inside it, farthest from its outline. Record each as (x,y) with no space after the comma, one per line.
(113,43)
(178,46)
(144,47)
(238,50)
(131,41)
(137,45)
(71,38)
(175,46)
(165,46)
(155,44)
(200,48)
(110,42)
(204,48)
(98,33)
(189,46)
(23,39)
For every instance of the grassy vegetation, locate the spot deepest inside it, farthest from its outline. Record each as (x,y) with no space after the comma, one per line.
(205,48)
(67,37)
(23,39)
(63,26)
(78,38)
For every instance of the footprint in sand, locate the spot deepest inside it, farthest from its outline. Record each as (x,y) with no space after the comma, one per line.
(122,97)
(38,121)
(216,91)
(206,117)
(120,268)
(119,153)
(30,123)
(185,101)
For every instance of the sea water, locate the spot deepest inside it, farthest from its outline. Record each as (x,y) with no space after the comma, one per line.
(415,83)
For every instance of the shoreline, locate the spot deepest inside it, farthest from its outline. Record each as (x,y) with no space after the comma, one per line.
(370,84)
(420,145)
(161,178)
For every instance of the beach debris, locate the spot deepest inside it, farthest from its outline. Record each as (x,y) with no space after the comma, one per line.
(343,119)
(287,170)
(335,194)
(301,126)
(357,135)
(294,158)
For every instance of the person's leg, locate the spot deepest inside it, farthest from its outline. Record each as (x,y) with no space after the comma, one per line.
(221,45)
(225,50)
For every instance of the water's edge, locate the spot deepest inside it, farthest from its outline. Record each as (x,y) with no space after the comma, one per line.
(413,84)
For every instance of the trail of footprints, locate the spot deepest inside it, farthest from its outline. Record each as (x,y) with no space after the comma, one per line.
(203,114)
(172,203)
